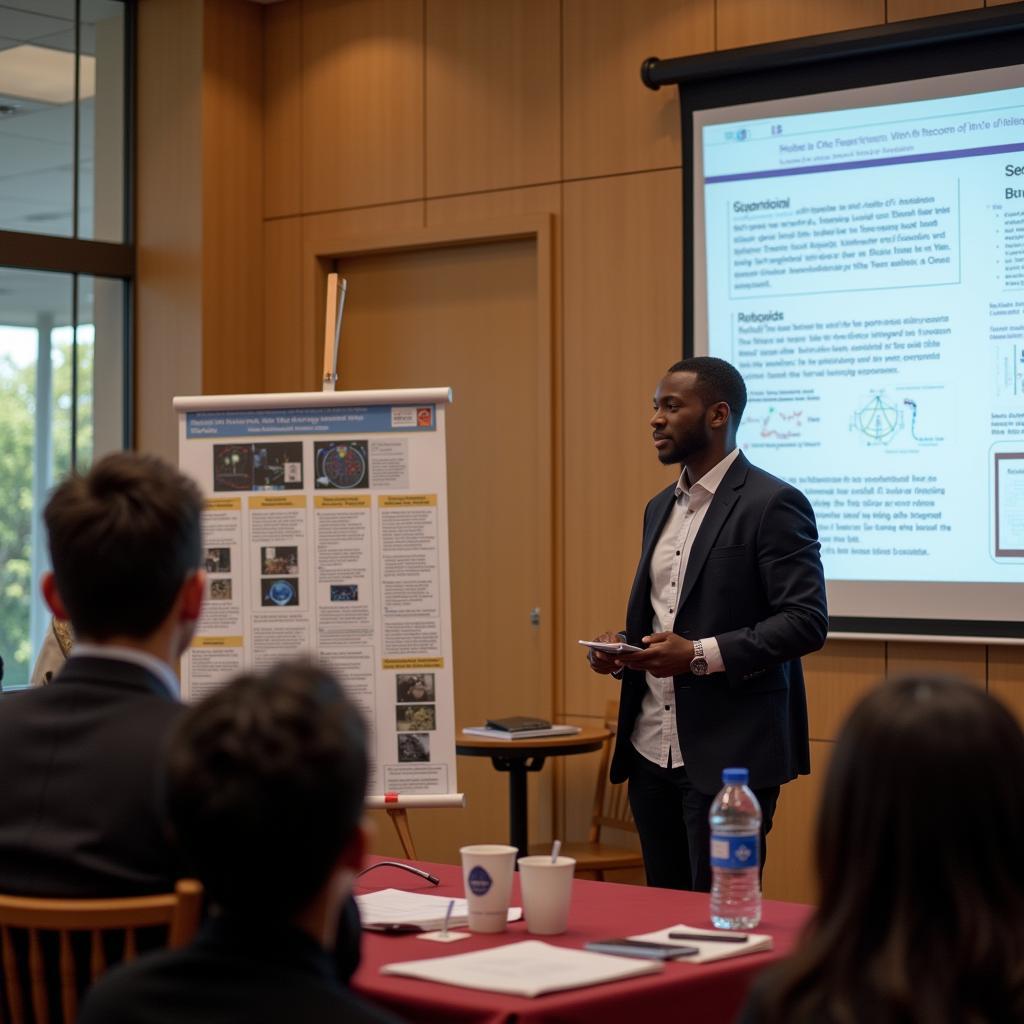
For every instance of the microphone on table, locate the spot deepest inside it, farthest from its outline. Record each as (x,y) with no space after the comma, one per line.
(405,867)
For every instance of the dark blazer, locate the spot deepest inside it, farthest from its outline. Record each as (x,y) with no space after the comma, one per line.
(236,972)
(80,761)
(753,580)
(81,764)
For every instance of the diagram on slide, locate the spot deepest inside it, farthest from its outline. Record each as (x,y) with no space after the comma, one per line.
(878,420)
(881,419)
(1009,366)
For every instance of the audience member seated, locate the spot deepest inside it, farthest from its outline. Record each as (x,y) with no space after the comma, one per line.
(920,857)
(53,653)
(265,789)
(79,815)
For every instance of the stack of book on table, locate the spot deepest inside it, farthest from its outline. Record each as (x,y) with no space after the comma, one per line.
(519,727)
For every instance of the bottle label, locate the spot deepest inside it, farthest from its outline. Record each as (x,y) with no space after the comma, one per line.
(735,851)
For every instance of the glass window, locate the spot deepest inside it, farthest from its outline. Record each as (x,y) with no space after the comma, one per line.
(64,348)
(61,147)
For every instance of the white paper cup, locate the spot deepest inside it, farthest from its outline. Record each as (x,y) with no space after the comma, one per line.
(547,893)
(487,875)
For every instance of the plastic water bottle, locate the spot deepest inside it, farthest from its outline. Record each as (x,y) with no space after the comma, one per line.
(735,821)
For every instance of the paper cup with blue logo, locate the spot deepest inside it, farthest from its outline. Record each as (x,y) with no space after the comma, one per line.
(487,874)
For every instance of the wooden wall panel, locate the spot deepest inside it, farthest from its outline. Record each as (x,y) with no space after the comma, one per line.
(282,111)
(362,103)
(922,658)
(325,233)
(232,196)
(463,307)
(998,3)
(169,218)
(622,324)
(749,22)
(484,206)
(1006,678)
(492,94)
(612,122)
(789,872)
(284,367)
(902,10)
(837,677)
(578,776)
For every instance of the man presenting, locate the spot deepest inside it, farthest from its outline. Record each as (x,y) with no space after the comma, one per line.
(728,595)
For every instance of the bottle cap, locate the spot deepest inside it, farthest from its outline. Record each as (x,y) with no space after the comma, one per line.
(735,776)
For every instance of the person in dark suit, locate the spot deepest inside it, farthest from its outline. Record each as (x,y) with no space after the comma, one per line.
(728,595)
(79,815)
(80,811)
(265,789)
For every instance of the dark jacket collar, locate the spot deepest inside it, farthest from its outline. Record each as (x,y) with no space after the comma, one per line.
(111,673)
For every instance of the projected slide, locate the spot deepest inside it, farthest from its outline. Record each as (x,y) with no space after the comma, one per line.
(864,269)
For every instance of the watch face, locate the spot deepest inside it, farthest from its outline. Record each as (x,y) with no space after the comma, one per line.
(699,666)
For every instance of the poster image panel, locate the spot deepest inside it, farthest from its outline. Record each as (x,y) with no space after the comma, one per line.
(325,536)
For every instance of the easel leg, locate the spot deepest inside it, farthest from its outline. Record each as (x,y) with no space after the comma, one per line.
(400,819)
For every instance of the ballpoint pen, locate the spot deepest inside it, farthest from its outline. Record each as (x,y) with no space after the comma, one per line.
(701,937)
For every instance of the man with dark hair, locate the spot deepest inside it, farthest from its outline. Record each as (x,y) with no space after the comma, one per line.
(728,596)
(79,758)
(265,788)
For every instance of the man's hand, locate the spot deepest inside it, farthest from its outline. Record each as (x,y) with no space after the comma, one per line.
(605,664)
(668,655)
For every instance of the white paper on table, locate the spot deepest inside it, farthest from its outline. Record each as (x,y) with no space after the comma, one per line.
(387,908)
(528,968)
(708,951)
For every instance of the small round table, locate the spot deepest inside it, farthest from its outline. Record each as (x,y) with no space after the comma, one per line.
(517,757)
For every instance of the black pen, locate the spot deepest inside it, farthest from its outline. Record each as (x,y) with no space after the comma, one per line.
(700,937)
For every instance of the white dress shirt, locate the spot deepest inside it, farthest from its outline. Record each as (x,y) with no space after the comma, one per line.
(655,735)
(159,668)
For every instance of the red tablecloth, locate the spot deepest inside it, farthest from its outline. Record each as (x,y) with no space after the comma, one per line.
(699,993)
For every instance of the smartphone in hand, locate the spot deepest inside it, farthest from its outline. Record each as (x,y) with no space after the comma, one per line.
(620,648)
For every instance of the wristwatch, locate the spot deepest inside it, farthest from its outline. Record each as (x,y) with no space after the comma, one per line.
(699,665)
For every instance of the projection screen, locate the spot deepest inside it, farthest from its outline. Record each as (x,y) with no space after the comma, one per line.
(854,244)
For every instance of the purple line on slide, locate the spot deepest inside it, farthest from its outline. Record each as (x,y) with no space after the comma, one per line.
(914,158)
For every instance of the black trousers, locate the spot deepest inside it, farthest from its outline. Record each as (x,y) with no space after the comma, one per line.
(672,820)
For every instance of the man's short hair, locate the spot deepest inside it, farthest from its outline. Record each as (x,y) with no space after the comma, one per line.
(123,539)
(265,787)
(717,381)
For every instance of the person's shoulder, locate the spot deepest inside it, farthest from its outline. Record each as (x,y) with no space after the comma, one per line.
(663,494)
(768,484)
(16,704)
(123,993)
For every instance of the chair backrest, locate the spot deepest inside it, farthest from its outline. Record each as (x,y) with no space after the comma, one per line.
(71,930)
(611,802)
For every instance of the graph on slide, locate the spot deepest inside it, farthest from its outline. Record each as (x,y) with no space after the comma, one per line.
(781,426)
(910,404)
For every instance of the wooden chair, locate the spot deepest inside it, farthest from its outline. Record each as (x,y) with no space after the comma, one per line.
(22,916)
(611,810)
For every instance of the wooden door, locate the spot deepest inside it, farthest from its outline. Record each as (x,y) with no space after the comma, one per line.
(466,316)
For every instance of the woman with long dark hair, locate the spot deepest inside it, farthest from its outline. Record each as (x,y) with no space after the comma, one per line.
(920,856)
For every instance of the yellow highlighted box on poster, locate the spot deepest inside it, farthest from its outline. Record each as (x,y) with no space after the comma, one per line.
(341,501)
(277,501)
(406,500)
(402,663)
(217,641)
(223,504)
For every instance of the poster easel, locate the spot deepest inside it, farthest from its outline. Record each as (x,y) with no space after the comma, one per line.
(326,534)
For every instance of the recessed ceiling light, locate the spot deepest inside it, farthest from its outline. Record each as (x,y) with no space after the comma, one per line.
(48,76)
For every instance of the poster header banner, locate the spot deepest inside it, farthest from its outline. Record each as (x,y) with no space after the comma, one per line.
(368,419)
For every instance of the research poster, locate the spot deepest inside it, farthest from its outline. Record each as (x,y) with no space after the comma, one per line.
(325,535)
(865,272)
